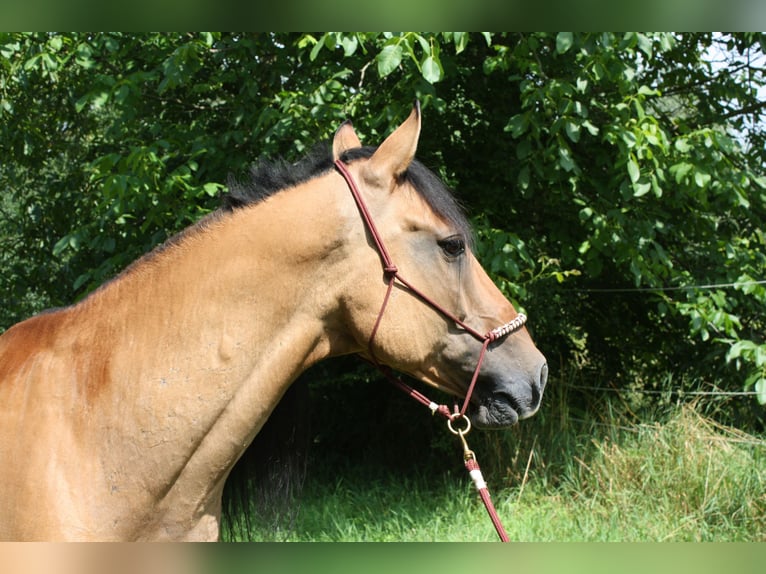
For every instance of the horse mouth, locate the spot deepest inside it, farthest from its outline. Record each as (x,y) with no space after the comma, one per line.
(496,411)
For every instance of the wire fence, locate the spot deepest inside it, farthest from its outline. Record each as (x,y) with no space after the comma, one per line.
(734,285)
(679,392)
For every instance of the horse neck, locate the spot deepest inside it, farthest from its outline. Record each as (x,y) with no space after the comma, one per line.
(202,339)
(230,287)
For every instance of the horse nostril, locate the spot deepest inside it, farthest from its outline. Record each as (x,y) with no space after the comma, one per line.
(543,377)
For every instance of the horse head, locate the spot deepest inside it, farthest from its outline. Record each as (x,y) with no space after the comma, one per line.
(416,298)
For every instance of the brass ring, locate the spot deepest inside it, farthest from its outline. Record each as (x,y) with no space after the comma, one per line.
(459,431)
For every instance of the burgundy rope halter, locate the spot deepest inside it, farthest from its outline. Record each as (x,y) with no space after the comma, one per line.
(393,276)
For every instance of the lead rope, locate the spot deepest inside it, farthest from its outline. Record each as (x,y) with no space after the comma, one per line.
(392,275)
(472,466)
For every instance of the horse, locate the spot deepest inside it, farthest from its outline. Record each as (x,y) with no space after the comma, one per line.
(122,415)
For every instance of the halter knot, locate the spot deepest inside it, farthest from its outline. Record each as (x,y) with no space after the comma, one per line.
(390,270)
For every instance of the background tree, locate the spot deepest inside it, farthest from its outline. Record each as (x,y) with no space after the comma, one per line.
(616,180)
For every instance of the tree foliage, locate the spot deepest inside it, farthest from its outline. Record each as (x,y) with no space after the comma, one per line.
(616,180)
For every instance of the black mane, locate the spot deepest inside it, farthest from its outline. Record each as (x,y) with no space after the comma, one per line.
(268,177)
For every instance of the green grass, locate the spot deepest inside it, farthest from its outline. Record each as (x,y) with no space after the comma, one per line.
(687,479)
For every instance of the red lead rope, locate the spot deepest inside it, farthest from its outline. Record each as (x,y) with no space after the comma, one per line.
(472,466)
(393,275)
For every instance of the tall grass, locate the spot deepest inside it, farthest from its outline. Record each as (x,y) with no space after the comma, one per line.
(685,480)
(563,476)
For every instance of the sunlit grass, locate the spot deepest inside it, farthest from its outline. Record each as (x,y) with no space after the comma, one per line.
(688,479)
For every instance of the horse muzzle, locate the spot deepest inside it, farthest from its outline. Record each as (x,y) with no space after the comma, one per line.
(500,403)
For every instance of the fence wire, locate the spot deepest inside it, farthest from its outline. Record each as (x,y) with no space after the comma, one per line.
(667,392)
(735,285)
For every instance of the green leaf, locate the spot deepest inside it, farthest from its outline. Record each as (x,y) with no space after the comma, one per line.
(424,44)
(349,43)
(592,130)
(633,170)
(81,280)
(629,138)
(316,49)
(517,125)
(572,130)
(8,50)
(564,41)
(212,189)
(61,246)
(84,56)
(735,351)
(641,188)
(431,70)
(680,171)
(682,145)
(647,91)
(645,44)
(55,43)
(701,179)
(389,59)
(461,41)
(523,177)
(760,389)
(565,159)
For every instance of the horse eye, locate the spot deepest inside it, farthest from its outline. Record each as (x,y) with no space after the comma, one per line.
(452,246)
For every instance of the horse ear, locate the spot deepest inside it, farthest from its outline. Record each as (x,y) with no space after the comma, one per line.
(345,138)
(396,153)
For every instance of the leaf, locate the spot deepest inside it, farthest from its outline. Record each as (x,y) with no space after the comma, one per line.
(760,389)
(316,49)
(573,131)
(585,213)
(389,59)
(735,351)
(640,188)
(680,170)
(760,355)
(565,159)
(84,56)
(647,91)
(212,189)
(701,179)
(81,280)
(422,40)
(431,70)
(349,44)
(645,44)
(682,145)
(55,43)
(592,130)
(629,138)
(517,125)
(461,41)
(61,246)
(523,177)
(633,170)
(564,41)
(8,50)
